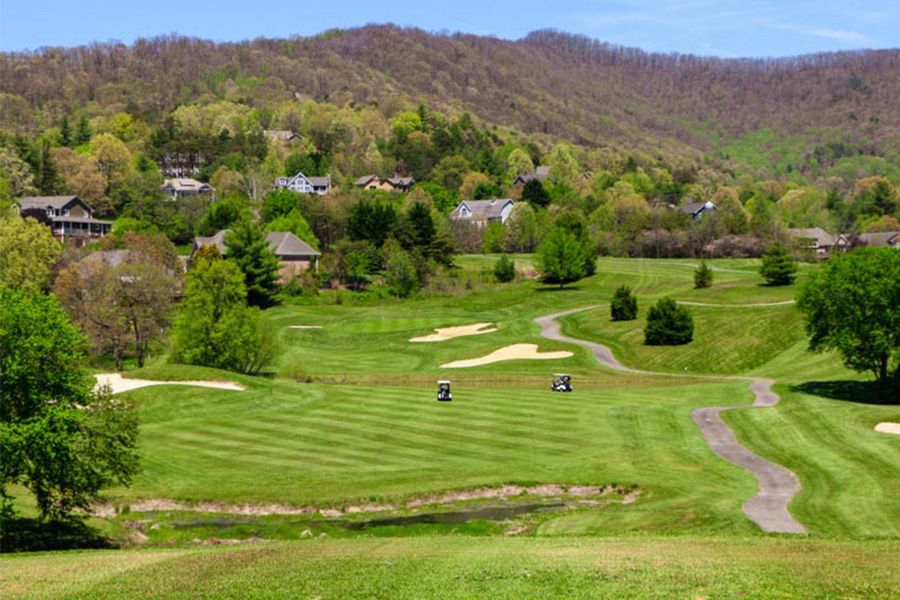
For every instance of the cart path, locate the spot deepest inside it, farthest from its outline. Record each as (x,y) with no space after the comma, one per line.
(758,305)
(777,485)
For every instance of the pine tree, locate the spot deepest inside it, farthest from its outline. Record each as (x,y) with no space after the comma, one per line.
(48,181)
(65,132)
(668,324)
(246,246)
(623,306)
(83,133)
(505,269)
(778,268)
(703,276)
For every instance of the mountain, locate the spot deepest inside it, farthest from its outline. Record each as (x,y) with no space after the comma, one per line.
(776,115)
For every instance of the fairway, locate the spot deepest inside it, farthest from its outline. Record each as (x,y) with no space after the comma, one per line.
(350,420)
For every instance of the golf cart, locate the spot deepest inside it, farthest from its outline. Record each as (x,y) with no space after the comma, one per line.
(563,383)
(443,393)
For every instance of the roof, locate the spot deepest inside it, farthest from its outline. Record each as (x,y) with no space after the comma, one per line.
(51,201)
(285,243)
(821,237)
(881,238)
(282,243)
(695,207)
(324,181)
(400,181)
(483,210)
(281,134)
(541,172)
(185,184)
(365,179)
(113,258)
(79,220)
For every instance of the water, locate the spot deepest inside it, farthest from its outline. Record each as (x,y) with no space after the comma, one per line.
(484,513)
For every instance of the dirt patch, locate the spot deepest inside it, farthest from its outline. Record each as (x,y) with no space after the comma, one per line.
(448,333)
(513,352)
(118,383)
(503,492)
(888,427)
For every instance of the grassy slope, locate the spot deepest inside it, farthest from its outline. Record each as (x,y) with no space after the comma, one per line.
(460,567)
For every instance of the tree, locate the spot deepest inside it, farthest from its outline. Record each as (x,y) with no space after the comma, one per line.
(17,174)
(83,132)
(65,132)
(668,324)
(372,220)
(296,224)
(113,158)
(852,304)
(518,163)
(703,276)
(504,269)
(28,253)
(60,440)
(246,246)
(399,272)
(623,306)
(560,258)
(422,225)
(216,328)
(278,203)
(778,268)
(48,181)
(221,214)
(533,192)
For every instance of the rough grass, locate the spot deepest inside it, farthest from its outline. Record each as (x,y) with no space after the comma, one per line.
(464,567)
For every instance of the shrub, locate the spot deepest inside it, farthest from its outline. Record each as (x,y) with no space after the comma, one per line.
(703,276)
(778,268)
(623,306)
(505,269)
(668,324)
(560,258)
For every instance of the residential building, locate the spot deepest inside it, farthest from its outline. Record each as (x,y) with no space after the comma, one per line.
(482,212)
(540,173)
(182,187)
(696,209)
(814,239)
(72,219)
(294,255)
(890,239)
(305,185)
(280,135)
(388,184)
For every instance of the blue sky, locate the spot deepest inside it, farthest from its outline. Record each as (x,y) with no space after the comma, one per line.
(709,27)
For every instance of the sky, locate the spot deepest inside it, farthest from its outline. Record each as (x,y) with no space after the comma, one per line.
(726,28)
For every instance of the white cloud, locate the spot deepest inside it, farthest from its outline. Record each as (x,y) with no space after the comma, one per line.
(852,37)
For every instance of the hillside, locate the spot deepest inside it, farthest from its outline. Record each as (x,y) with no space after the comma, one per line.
(759,116)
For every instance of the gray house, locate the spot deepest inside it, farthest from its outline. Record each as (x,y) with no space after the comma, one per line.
(482,212)
(294,255)
(71,217)
(305,185)
(540,173)
(696,209)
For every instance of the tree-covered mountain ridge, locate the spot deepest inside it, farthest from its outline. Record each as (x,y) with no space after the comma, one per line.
(765,116)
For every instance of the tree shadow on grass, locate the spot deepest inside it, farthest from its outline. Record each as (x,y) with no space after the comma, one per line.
(860,392)
(19,534)
(556,288)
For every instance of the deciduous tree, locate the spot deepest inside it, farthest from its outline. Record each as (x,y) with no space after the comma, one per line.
(28,253)
(560,258)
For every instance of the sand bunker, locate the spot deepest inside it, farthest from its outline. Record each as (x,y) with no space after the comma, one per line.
(448,333)
(514,352)
(888,427)
(124,384)
(304,327)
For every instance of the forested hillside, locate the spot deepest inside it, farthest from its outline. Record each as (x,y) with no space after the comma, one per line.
(807,117)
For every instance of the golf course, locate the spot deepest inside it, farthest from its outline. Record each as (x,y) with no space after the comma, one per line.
(342,462)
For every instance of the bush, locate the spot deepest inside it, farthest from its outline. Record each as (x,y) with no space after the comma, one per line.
(623,306)
(703,276)
(778,268)
(505,269)
(668,324)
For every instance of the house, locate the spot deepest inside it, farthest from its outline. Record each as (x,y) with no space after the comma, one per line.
(294,255)
(182,187)
(482,212)
(280,135)
(890,239)
(71,217)
(696,209)
(305,185)
(540,173)
(388,184)
(815,239)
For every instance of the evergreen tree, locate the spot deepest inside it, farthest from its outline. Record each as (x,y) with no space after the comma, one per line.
(778,268)
(703,276)
(246,246)
(505,269)
(423,228)
(623,306)
(668,324)
(48,181)
(83,132)
(533,192)
(65,132)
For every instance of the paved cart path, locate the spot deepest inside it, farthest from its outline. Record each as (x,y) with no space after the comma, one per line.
(777,485)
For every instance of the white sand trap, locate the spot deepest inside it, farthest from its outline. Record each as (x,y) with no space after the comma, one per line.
(888,427)
(125,384)
(448,333)
(304,326)
(514,352)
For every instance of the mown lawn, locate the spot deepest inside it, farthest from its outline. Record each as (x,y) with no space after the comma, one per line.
(461,567)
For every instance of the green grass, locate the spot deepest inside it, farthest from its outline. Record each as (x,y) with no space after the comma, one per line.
(349,414)
(460,567)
